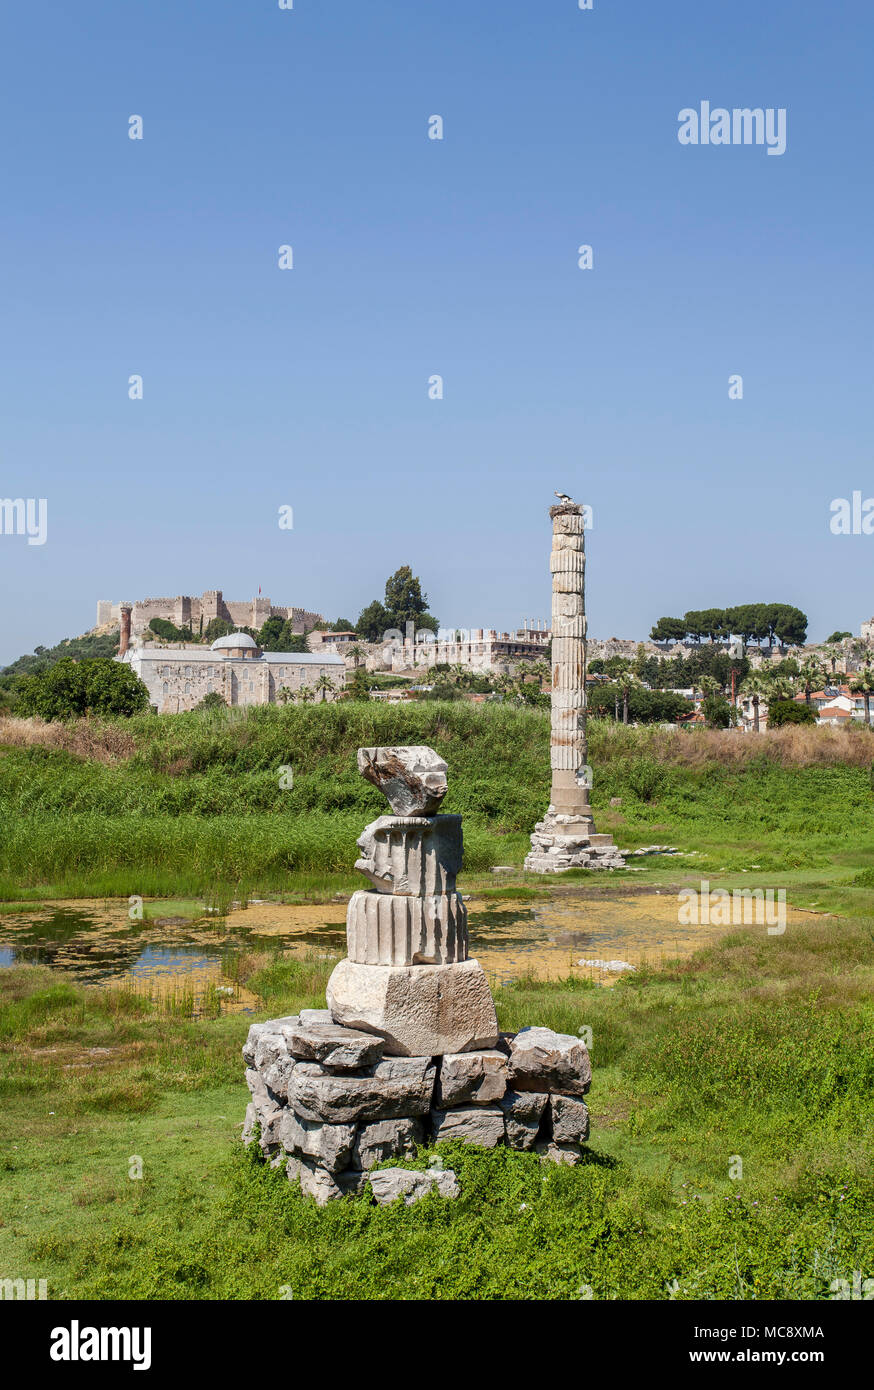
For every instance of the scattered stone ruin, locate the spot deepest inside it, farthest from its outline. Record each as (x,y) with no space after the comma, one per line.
(408,1051)
(566,837)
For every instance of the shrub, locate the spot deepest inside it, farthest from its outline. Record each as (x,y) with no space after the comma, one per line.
(789,712)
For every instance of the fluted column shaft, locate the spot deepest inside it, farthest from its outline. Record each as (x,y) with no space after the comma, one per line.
(568,751)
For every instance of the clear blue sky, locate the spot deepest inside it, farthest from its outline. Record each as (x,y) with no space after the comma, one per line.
(308,387)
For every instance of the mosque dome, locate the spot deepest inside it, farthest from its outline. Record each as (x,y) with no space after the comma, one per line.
(235,641)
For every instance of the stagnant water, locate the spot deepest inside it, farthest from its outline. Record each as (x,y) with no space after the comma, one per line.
(98,944)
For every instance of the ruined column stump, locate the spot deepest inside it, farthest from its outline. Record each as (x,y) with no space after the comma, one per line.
(408,1051)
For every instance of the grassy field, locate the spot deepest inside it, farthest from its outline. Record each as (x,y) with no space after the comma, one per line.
(760,1049)
(193,804)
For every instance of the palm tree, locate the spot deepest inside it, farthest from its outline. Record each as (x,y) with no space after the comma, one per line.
(357,653)
(306,695)
(324,683)
(542,671)
(756,685)
(812,674)
(863,684)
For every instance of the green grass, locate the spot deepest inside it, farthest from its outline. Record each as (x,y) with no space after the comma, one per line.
(760,1048)
(191,805)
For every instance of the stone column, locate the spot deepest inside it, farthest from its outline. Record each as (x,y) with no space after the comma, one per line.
(566,838)
(124,610)
(568,749)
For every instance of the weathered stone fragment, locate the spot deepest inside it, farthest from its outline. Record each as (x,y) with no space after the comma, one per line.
(523,1112)
(385,1091)
(266,1107)
(315,1181)
(559,1153)
(420,1010)
(328,1145)
(383,1139)
(340,1049)
(315,1016)
(412,854)
(390,929)
(541,1059)
(413,778)
(268,1049)
(258,1030)
(570,1119)
(471,1078)
(277,1076)
(390,1183)
(477,1124)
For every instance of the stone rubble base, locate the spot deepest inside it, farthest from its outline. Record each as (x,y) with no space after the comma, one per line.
(330,1106)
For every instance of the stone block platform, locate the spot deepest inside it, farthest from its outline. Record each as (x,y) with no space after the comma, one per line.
(330,1105)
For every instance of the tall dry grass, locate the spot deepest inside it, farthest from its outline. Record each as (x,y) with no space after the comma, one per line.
(178,744)
(793,746)
(95,739)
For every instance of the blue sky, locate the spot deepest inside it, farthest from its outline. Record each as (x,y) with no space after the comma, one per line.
(309,387)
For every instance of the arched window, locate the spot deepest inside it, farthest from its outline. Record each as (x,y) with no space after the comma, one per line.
(166,690)
(188,670)
(188,687)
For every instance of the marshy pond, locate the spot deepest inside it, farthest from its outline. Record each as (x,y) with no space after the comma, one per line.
(187,959)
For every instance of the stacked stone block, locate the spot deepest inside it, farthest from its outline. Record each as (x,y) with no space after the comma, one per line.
(330,1105)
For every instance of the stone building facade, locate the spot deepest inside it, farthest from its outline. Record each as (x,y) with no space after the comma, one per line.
(478,649)
(178,676)
(188,611)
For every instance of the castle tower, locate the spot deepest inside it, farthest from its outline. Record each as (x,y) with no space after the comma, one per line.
(566,838)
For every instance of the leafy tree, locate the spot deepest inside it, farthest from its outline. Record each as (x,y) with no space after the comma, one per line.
(358,687)
(104,644)
(788,624)
(343,625)
(72,689)
(270,635)
(668,630)
(169,632)
(837,637)
(216,628)
(212,700)
(644,706)
(373,622)
(716,711)
(789,712)
(404,600)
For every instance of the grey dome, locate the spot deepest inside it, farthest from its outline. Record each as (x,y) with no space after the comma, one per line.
(236,640)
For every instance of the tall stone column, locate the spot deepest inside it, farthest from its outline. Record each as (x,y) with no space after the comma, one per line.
(568,750)
(124,611)
(566,838)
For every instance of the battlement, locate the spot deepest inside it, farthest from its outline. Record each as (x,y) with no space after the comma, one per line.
(187,610)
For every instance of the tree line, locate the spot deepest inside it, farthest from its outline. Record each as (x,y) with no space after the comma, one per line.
(754,622)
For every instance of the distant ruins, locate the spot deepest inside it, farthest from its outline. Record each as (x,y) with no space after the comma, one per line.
(195,613)
(566,838)
(408,1051)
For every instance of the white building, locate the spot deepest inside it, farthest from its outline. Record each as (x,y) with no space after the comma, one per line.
(178,676)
